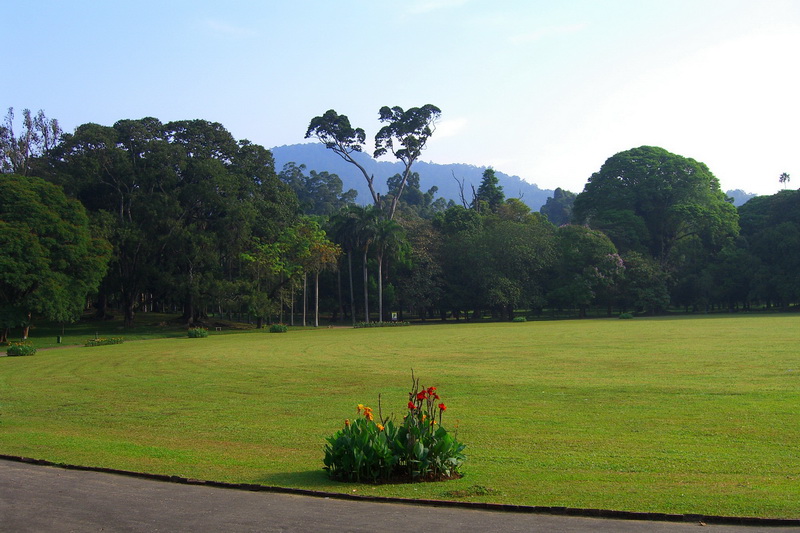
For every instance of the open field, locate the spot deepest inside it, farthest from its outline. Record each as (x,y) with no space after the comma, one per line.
(680,415)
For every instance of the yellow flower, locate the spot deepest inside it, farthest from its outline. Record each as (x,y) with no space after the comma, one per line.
(360,408)
(380,427)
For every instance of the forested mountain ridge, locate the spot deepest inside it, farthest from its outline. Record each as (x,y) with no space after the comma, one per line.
(316,157)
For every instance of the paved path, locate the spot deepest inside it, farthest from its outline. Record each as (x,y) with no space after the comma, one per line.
(46,499)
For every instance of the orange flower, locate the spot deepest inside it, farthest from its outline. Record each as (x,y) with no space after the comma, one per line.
(347,423)
(380,427)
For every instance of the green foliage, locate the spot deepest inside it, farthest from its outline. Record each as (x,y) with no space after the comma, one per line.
(519,319)
(625,316)
(558,208)
(490,194)
(50,260)
(197,333)
(20,348)
(648,199)
(386,324)
(278,328)
(417,449)
(104,341)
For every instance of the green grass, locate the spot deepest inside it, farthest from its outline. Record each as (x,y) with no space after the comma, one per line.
(147,326)
(677,415)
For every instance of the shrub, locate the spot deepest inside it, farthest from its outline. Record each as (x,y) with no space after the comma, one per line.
(20,348)
(105,342)
(198,333)
(278,328)
(388,324)
(417,449)
(625,315)
(519,319)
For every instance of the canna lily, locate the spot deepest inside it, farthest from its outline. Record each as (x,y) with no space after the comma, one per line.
(443,407)
(411,405)
(380,427)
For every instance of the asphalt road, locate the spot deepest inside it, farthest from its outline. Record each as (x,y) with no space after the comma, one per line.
(46,499)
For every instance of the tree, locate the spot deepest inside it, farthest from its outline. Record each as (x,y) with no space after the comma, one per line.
(558,208)
(586,264)
(647,200)
(50,260)
(405,135)
(389,236)
(489,194)
(182,202)
(39,134)
(784,179)
(319,193)
(771,228)
(645,284)
(344,231)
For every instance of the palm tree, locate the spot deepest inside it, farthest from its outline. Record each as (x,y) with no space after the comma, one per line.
(784,179)
(366,229)
(389,235)
(344,231)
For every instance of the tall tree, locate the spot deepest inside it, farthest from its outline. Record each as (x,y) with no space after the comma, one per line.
(389,235)
(50,259)
(647,199)
(38,135)
(558,208)
(490,193)
(784,179)
(319,193)
(404,135)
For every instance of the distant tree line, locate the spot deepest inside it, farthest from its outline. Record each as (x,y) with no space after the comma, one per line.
(180,216)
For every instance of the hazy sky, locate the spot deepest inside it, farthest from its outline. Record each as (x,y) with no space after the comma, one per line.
(546,90)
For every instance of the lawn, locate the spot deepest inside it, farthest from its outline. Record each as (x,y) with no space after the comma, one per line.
(677,415)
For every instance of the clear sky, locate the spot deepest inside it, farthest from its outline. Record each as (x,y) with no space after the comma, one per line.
(546,90)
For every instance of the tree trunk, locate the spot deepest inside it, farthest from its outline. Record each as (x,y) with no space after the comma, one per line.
(352,298)
(26,329)
(380,287)
(129,306)
(305,298)
(366,283)
(316,299)
(339,290)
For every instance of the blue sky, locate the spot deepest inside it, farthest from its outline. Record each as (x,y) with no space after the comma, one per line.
(546,90)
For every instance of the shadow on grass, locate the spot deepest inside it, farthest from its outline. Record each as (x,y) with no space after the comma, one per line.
(308,479)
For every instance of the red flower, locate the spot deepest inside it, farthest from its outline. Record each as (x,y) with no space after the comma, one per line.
(431,390)
(443,407)
(421,395)
(410,405)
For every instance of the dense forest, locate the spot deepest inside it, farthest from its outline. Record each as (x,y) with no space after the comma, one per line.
(181,217)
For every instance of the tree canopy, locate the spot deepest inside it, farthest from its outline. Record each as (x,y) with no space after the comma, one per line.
(649,200)
(50,260)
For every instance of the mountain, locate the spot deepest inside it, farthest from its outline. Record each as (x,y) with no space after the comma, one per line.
(739,196)
(316,157)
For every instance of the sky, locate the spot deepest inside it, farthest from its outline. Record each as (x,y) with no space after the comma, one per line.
(546,90)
